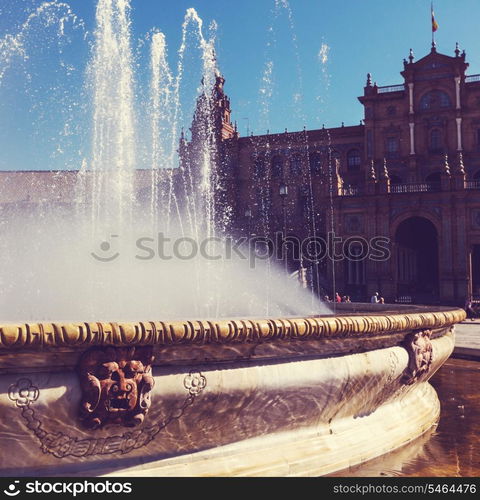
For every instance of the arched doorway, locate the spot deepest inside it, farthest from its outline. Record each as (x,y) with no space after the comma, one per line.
(417,260)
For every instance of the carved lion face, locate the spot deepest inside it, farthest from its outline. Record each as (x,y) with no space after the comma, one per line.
(116,384)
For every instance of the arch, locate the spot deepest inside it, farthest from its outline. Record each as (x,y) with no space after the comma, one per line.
(409,213)
(435,99)
(354,159)
(417,259)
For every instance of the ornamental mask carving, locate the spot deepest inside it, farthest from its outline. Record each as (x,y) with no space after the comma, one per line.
(116,383)
(420,355)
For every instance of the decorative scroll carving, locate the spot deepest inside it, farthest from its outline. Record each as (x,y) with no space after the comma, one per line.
(81,335)
(116,384)
(420,355)
(61,445)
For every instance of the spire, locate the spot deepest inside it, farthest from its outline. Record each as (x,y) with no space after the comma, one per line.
(385,175)
(459,175)
(371,175)
(460,166)
(411,57)
(369,80)
(336,162)
(446,166)
(371,180)
(457,50)
(384,183)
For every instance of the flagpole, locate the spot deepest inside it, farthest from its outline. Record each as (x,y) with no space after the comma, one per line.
(434,24)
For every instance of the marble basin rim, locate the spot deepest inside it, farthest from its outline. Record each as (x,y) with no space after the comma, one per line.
(254,396)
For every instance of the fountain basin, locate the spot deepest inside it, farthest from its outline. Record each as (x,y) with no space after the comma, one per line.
(270,397)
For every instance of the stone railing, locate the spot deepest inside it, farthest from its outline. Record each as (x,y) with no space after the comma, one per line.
(475,184)
(391,88)
(350,191)
(472,78)
(419,187)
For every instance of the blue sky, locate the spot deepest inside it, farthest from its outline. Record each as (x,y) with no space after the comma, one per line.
(321,51)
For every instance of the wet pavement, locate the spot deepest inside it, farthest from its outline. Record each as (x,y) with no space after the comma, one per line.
(452,449)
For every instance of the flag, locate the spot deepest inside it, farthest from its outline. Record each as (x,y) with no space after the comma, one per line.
(434,23)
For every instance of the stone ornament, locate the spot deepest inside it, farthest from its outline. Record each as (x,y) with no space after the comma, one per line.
(81,335)
(23,392)
(420,355)
(195,383)
(59,444)
(116,383)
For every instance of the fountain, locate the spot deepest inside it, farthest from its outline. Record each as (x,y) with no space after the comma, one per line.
(105,366)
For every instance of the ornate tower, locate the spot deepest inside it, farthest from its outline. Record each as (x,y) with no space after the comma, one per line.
(205,158)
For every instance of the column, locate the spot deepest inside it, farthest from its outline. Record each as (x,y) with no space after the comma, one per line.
(410,96)
(457,92)
(459,134)
(412,138)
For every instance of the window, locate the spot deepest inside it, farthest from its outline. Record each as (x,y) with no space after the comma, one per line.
(478,138)
(277,166)
(259,168)
(392,145)
(355,265)
(435,99)
(315,162)
(354,159)
(295,165)
(436,142)
(303,201)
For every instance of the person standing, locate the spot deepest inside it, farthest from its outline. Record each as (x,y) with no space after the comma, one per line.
(374,298)
(469,309)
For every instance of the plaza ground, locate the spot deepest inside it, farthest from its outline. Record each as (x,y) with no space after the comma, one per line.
(467,339)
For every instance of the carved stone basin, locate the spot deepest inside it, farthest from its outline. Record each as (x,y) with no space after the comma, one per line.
(269,397)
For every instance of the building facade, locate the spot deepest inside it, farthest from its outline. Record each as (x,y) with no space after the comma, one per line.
(410,174)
